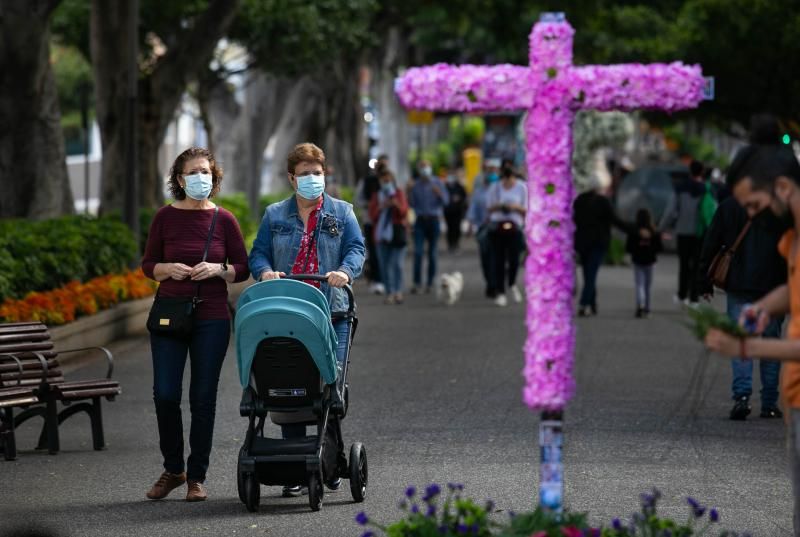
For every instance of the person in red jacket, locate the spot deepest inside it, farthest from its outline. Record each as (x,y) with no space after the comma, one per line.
(388,209)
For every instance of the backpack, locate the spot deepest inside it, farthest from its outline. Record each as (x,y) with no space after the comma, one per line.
(705,211)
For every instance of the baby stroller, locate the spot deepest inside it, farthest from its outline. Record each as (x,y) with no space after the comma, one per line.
(286,351)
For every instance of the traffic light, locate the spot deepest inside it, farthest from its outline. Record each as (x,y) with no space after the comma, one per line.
(787,139)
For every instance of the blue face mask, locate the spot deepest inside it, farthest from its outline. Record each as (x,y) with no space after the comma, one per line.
(198,185)
(492,178)
(310,186)
(388,189)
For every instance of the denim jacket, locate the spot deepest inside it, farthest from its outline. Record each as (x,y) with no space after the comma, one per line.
(339,242)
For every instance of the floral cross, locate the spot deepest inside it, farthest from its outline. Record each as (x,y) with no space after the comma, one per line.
(551,90)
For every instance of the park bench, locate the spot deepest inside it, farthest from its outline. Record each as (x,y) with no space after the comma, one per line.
(31,380)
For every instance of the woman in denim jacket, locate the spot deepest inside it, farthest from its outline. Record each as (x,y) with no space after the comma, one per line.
(310,233)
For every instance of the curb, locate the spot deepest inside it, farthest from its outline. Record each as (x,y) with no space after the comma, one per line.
(123,320)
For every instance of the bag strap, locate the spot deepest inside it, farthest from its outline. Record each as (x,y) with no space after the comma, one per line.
(738,241)
(205,251)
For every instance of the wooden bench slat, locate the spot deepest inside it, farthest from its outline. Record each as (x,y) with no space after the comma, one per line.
(12,338)
(37,381)
(14,348)
(29,400)
(89,394)
(12,377)
(27,365)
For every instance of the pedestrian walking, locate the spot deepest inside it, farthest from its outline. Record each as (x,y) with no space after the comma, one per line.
(771,181)
(681,218)
(593,216)
(428,197)
(310,233)
(644,244)
(194,249)
(367,188)
(507,204)
(389,209)
(454,211)
(755,269)
(478,218)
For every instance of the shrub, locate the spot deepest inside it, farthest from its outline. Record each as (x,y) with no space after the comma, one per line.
(38,256)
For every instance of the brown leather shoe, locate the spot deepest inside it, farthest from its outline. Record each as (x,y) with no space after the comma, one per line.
(165,484)
(197,492)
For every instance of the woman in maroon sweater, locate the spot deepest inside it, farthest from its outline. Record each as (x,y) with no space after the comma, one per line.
(173,256)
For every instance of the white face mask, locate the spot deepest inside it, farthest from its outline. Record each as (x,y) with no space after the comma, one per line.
(198,185)
(427,171)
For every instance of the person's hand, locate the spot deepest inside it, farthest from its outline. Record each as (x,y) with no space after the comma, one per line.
(754,319)
(179,271)
(205,270)
(707,296)
(337,278)
(645,233)
(722,343)
(271,275)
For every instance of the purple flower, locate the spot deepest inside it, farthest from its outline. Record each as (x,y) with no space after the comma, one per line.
(368,534)
(692,503)
(431,511)
(616,524)
(462,529)
(410,491)
(362,518)
(476,528)
(415,509)
(431,491)
(713,515)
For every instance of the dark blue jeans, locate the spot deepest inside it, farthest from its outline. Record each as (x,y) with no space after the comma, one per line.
(206,348)
(591,259)
(342,327)
(426,229)
(743,369)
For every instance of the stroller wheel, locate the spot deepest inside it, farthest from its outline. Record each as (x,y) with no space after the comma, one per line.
(358,471)
(315,491)
(252,491)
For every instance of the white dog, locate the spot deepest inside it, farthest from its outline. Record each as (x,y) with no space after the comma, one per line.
(449,287)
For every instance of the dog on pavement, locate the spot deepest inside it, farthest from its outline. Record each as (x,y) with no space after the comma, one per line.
(449,287)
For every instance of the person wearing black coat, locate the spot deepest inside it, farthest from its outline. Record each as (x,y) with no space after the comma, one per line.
(593,215)
(756,269)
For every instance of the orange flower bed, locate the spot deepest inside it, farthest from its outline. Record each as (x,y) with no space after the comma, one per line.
(76,299)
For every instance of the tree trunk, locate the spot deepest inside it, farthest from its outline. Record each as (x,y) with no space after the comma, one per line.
(160,91)
(33,169)
(109,47)
(394,128)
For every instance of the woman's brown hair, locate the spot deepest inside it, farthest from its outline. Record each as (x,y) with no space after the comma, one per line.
(306,152)
(177,170)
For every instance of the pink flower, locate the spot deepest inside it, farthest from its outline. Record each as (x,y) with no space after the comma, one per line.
(571,531)
(551,89)
(539,534)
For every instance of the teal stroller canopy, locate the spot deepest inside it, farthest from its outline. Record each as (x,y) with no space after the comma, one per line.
(285,308)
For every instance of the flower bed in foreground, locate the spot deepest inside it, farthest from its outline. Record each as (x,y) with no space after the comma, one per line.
(67,303)
(432,513)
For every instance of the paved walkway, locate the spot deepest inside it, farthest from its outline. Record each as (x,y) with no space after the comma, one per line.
(436,398)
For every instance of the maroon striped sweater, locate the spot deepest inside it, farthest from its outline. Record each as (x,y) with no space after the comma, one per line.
(179,236)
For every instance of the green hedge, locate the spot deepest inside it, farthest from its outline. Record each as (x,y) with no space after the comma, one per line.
(43,255)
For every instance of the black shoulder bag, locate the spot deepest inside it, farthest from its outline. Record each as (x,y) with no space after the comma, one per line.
(174,316)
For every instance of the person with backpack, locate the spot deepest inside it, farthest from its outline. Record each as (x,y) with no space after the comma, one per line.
(643,243)
(683,218)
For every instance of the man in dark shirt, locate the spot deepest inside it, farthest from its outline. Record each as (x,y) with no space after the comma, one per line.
(370,184)
(756,269)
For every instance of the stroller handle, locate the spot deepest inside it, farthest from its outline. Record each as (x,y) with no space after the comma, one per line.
(320,278)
